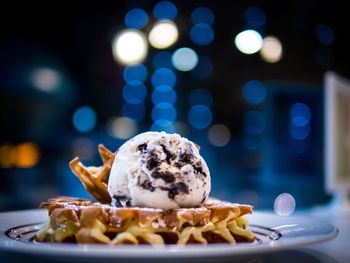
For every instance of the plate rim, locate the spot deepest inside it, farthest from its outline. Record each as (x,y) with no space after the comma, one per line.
(142,251)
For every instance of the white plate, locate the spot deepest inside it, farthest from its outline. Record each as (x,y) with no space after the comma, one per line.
(273,232)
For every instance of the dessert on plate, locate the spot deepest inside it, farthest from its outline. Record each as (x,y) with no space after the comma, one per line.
(153,190)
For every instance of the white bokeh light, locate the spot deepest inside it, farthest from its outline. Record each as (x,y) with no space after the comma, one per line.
(163,34)
(249,41)
(129,46)
(219,135)
(271,50)
(121,127)
(46,79)
(284,204)
(185,59)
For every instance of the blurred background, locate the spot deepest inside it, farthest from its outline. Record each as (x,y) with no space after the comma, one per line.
(243,79)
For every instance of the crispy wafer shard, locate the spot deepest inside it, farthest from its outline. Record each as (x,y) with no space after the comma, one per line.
(95,179)
(83,221)
(106,155)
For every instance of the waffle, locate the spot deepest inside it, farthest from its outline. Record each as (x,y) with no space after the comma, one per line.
(86,222)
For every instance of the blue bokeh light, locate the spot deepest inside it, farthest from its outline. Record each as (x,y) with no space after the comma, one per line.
(134,92)
(165,10)
(200,116)
(163,125)
(164,111)
(300,114)
(203,69)
(136,18)
(201,97)
(135,72)
(134,111)
(84,119)
(202,34)
(254,91)
(324,34)
(163,93)
(162,60)
(163,76)
(299,132)
(254,122)
(202,15)
(255,17)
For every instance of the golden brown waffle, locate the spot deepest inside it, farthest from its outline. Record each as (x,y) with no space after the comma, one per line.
(82,221)
(93,178)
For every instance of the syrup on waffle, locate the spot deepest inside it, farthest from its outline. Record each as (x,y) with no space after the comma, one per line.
(83,221)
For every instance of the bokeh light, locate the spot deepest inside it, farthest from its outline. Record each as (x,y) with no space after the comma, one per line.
(165,10)
(300,114)
(163,76)
(202,15)
(134,111)
(8,155)
(271,50)
(23,155)
(164,111)
(28,155)
(255,17)
(135,72)
(121,127)
(284,204)
(248,41)
(254,92)
(163,93)
(162,60)
(185,59)
(203,69)
(200,96)
(202,34)
(85,148)
(163,34)
(254,122)
(219,135)
(129,47)
(163,125)
(136,18)
(200,116)
(46,79)
(325,34)
(299,132)
(84,119)
(134,92)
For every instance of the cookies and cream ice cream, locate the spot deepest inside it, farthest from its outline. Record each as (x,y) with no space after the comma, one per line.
(159,170)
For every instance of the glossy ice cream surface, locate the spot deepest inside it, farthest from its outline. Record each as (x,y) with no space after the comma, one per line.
(159,170)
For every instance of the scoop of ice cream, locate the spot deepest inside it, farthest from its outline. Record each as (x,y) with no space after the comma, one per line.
(160,170)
